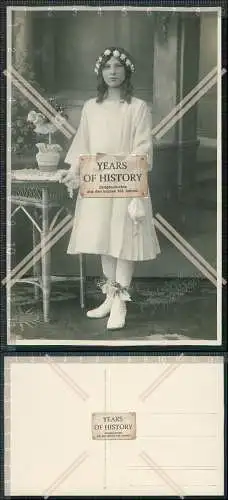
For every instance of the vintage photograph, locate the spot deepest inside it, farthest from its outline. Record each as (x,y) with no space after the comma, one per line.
(125,247)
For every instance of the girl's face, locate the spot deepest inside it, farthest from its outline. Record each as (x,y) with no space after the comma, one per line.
(113,72)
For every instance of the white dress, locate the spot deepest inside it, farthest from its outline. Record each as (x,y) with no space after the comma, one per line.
(103,226)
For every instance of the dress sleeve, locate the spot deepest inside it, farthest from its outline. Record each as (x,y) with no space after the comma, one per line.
(142,143)
(80,143)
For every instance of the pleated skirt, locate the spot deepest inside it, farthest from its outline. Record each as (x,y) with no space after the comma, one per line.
(103,226)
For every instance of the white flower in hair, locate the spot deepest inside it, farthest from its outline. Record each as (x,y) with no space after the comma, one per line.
(132,67)
(107,52)
(100,59)
(128,62)
(116,53)
(123,56)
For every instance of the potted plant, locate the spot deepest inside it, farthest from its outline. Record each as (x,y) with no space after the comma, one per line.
(24,135)
(48,155)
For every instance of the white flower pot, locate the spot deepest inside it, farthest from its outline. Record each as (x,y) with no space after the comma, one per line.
(48,161)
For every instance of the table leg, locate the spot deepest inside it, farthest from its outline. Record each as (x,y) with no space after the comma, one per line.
(45,257)
(36,265)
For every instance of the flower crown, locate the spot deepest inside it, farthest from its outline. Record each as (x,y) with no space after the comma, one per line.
(116,53)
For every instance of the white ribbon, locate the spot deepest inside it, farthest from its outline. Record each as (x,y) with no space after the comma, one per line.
(114,288)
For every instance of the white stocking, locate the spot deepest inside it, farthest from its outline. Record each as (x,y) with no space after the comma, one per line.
(109,270)
(117,270)
(124,272)
(109,266)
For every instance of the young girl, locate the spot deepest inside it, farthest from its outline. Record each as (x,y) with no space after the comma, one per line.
(120,230)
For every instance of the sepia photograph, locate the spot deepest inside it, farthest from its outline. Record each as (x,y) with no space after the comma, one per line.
(114,176)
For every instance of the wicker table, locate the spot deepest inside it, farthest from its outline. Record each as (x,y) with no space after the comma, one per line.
(38,194)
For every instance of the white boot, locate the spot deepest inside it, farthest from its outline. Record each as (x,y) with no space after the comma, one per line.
(105,308)
(119,310)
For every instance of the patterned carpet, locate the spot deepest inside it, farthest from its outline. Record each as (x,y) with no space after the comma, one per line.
(161,309)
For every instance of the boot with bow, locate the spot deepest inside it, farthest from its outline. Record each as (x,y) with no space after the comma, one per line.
(118,313)
(105,308)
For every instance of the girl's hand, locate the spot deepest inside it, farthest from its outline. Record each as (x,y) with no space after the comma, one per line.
(71,179)
(64,176)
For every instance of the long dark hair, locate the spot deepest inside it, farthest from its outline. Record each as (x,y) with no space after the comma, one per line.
(126,88)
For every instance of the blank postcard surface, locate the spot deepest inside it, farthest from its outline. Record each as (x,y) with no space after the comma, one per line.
(94,426)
